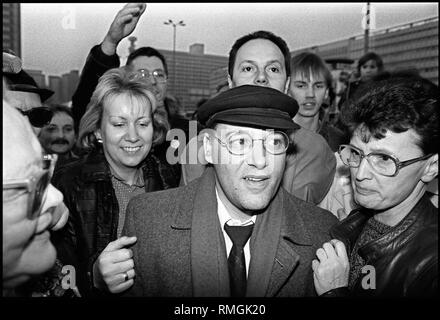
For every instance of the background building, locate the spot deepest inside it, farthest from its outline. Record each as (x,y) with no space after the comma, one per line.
(64,86)
(69,82)
(190,82)
(11,27)
(409,46)
(218,79)
(39,77)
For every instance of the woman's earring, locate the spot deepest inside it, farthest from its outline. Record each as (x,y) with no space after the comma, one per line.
(98,137)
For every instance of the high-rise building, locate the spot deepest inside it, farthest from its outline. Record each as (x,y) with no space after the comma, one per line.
(190,81)
(218,79)
(69,82)
(11,27)
(409,46)
(55,86)
(63,86)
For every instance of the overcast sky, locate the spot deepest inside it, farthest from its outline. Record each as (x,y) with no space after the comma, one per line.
(56,38)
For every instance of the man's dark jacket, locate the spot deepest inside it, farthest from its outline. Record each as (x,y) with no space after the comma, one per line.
(96,65)
(180,251)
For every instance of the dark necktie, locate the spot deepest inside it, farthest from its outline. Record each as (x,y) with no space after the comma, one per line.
(236,262)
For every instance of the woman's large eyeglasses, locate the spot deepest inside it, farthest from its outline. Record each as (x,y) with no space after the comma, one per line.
(384,164)
(240,143)
(38,117)
(158,75)
(36,186)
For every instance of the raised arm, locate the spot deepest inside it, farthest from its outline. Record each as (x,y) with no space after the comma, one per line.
(103,57)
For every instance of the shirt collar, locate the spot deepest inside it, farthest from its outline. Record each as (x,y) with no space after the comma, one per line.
(138,181)
(224,215)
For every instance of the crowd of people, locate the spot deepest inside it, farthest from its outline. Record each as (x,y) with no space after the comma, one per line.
(282,203)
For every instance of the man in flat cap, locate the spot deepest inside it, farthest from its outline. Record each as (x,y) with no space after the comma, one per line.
(263,59)
(24,94)
(234,231)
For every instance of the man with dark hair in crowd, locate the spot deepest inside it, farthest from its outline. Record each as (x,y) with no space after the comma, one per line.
(234,231)
(59,135)
(389,246)
(146,61)
(263,59)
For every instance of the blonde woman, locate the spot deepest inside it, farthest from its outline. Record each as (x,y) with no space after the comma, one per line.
(118,131)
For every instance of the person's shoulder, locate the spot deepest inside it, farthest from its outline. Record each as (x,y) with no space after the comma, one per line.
(420,254)
(313,142)
(65,172)
(312,215)
(88,167)
(163,199)
(427,235)
(158,210)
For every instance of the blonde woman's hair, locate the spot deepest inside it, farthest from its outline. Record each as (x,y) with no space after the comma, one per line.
(113,83)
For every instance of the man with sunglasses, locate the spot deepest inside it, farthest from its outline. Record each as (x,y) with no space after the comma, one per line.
(24,94)
(235,231)
(31,205)
(389,246)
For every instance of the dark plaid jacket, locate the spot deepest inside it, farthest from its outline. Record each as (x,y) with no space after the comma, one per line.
(93,219)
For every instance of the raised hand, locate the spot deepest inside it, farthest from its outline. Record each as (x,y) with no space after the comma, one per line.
(113,270)
(122,26)
(332,268)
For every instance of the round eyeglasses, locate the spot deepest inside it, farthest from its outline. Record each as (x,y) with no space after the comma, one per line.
(36,186)
(240,143)
(158,75)
(382,163)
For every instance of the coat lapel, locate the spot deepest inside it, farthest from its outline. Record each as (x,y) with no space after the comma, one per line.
(264,244)
(275,255)
(291,245)
(209,267)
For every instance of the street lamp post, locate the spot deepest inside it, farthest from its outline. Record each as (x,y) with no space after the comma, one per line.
(367,28)
(180,23)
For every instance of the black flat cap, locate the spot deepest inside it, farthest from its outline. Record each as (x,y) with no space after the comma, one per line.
(249,105)
(22,81)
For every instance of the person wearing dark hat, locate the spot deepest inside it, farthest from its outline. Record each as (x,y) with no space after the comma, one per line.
(235,231)
(24,94)
(263,59)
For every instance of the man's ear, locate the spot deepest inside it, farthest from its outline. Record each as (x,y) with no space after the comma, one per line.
(207,148)
(230,83)
(287,86)
(431,169)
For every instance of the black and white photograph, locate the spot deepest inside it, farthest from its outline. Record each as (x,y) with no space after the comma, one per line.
(219,156)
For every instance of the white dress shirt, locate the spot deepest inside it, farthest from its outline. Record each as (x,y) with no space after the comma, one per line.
(224,217)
